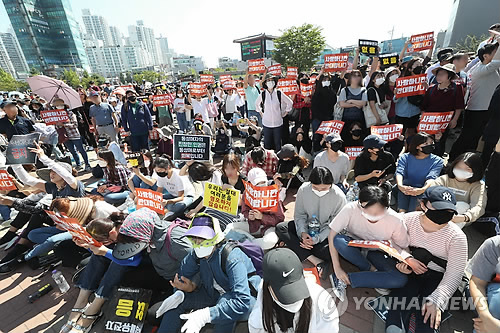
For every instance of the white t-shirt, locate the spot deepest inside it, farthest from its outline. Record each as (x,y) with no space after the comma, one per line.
(179,102)
(232,102)
(201,108)
(173,185)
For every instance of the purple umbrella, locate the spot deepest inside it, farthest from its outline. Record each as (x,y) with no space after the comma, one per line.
(50,88)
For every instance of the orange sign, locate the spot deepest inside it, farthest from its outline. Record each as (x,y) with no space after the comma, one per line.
(353,152)
(382,245)
(241,91)
(410,85)
(307,89)
(434,122)
(256,66)
(388,132)
(73,227)
(51,117)
(330,126)
(288,87)
(261,198)
(161,100)
(224,78)
(230,84)
(292,73)
(150,199)
(421,42)
(207,78)
(6,183)
(123,134)
(274,70)
(198,89)
(336,62)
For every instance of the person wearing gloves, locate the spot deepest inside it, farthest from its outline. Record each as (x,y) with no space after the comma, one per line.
(224,295)
(272,106)
(435,266)
(288,301)
(316,200)
(136,119)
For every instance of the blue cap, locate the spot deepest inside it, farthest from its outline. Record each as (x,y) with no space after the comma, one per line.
(441,198)
(374,141)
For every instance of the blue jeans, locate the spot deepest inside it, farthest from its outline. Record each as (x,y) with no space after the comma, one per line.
(387,276)
(272,138)
(194,301)
(407,202)
(5,212)
(113,198)
(341,186)
(252,113)
(78,144)
(138,142)
(493,293)
(138,183)
(101,275)
(46,238)
(181,120)
(180,206)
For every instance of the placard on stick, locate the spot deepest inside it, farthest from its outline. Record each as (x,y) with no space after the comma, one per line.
(330,126)
(292,73)
(222,200)
(191,147)
(336,62)
(150,199)
(51,117)
(161,100)
(256,66)
(261,198)
(17,150)
(368,47)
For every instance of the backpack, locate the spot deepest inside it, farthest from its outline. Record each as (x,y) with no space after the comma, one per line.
(264,99)
(168,239)
(221,142)
(252,250)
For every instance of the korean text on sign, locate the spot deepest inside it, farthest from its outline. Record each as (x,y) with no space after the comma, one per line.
(229,84)
(389,59)
(434,122)
(161,100)
(256,66)
(6,183)
(421,42)
(274,69)
(261,198)
(336,62)
(191,147)
(368,47)
(306,89)
(292,73)
(224,78)
(288,87)
(388,132)
(52,117)
(150,199)
(330,126)
(207,78)
(222,200)
(410,85)
(73,227)
(197,89)
(353,152)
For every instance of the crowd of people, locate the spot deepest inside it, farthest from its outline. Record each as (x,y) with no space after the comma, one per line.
(207,266)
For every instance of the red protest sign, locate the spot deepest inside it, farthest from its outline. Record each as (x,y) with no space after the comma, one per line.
(6,183)
(123,133)
(312,79)
(150,199)
(256,66)
(288,87)
(224,78)
(421,42)
(388,132)
(207,78)
(292,73)
(434,122)
(230,84)
(274,70)
(306,89)
(336,62)
(330,126)
(197,89)
(410,85)
(161,100)
(353,152)
(375,244)
(241,91)
(261,198)
(73,227)
(51,117)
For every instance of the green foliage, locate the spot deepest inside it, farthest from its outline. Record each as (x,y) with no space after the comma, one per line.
(299,46)
(8,83)
(149,76)
(470,43)
(34,71)
(98,80)
(71,78)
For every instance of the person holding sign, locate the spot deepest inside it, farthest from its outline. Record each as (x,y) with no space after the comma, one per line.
(114,188)
(374,165)
(323,102)
(416,170)
(353,99)
(181,109)
(318,202)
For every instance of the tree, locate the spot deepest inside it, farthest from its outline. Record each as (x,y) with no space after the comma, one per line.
(299,46)
(34,71)
(470,43)
(7,82)
(98,79)
(71,78)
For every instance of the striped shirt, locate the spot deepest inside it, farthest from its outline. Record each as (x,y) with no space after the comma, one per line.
(449,243)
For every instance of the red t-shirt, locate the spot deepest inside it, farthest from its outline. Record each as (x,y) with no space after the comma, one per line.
(437,100)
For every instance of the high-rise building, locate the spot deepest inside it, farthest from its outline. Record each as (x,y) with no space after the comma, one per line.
(15,54)
(165,53)
(5,62)
(139,35)
(48,34)
(96,26)
(116,36)
(184,63)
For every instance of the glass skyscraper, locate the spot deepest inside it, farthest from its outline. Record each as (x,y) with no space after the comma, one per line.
(48,34)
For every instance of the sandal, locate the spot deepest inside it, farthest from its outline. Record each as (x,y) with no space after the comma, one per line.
(69,324)
(324,269)
(83,329)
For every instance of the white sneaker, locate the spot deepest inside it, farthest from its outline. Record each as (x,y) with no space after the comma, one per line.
(383,291)
(338,287)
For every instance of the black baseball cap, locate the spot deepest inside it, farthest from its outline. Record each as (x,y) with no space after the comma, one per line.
(284,272)
(374,141)
(287,151)
(441,198)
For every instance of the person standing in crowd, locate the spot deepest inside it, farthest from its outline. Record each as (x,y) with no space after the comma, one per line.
(303,104)
(181,109)
(291,302)
(273,106)
(107,88)
(322,104)
(491,133)
(353,99)
(12,123)
(137,120)
(374,165)
(376,95)
(232,100)
(485,77)
(252,92)
(199,105)
(318,202)
(103,117)
(415,171)
(85,126)
(335,160)
(391,75)
(262,158)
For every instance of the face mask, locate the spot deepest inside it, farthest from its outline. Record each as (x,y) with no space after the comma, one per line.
(325,83)
(304,81)
(462,174)
(335,146)
(418,70)
(439,216)
(428,149)
(161,174)
(102,164)
(379,81)
(179,95)
(132,99)
(270,85)
(320,193)
(293,308)
(357,132)
(203,251)
(393,78)
(147,163)
(372,217)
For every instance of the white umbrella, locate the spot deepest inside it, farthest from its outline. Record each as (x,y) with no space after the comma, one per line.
(50,88)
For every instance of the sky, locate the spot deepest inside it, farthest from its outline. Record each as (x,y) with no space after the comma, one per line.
(207,28)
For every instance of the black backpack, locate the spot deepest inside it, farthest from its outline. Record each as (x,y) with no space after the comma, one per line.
(264,99)
(221,142)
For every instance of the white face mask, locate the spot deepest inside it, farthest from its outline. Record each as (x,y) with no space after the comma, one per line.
(293,308)
(372,217)
(320,193)
(102,163)
(147,163)
(462,174)
(325,83)
(179,95)
(203,251)
(379,81)
(393,78)
(270,85)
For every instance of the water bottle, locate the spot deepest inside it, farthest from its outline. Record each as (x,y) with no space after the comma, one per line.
(60,281)
(353,193)
(314,227)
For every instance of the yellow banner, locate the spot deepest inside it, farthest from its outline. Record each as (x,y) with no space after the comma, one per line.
(222,200)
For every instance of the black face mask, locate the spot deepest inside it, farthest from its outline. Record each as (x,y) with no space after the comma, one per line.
(132,98)
(161,174)
(304,81)
(439,216)
(357,132)
(418,70)
(336,146)
(428,149)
